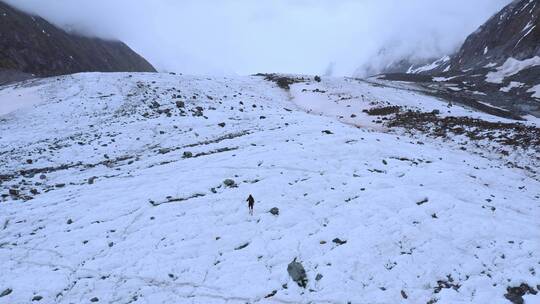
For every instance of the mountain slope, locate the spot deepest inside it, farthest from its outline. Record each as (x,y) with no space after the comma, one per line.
(512,33)
(31,45)
(132,190)
(498,65)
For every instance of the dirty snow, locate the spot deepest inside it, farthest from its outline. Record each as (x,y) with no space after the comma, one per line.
(512,85)
(129,203)
(536,91)
(430,66)
(511,67)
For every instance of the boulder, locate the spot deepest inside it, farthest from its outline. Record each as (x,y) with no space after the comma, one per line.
(297,273)
(274,211)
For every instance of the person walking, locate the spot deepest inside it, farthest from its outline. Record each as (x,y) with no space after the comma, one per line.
(251,203)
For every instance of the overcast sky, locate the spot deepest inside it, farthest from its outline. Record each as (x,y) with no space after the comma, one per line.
(341,37)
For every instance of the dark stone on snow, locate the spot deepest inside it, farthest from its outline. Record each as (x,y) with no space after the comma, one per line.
(515,294)
(297,273)
(6,292)
(229,183)
(221,124)
(273,293)
(404,295)
(318,277)
(422,201)
(92,179)
(241,246)
(188,154)
(94,299)
(274,211)
(327,132)
(37,298)
(382,111)
(339,242)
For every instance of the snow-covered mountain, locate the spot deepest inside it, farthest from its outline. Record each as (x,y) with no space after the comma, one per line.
(512,33)
(131,188)
(499,64)
(30,46)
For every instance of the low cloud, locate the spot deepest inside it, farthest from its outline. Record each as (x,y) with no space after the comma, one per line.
(347,37)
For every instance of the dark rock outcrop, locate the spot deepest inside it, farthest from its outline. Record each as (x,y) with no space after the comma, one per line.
(31,46)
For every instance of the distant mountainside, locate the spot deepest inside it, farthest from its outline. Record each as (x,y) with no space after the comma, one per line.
(513,32)
(29,45)
(499,64)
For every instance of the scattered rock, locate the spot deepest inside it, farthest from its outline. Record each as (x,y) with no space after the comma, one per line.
(229,183)
(6,292)
(317,78)
(327,132)
(383,111)
(187,154)
(94,299)
(506,134)
(446,284)
(198,112)
(180,104)
(273,293)
(404,295)
(69,221)
(515,294)
(221,124)
(37,298)
(422,201)
(91,180)
(14,192)
(297,273)
(29,161)
(339,242)
(318,277)
(242,246)
(274,211)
